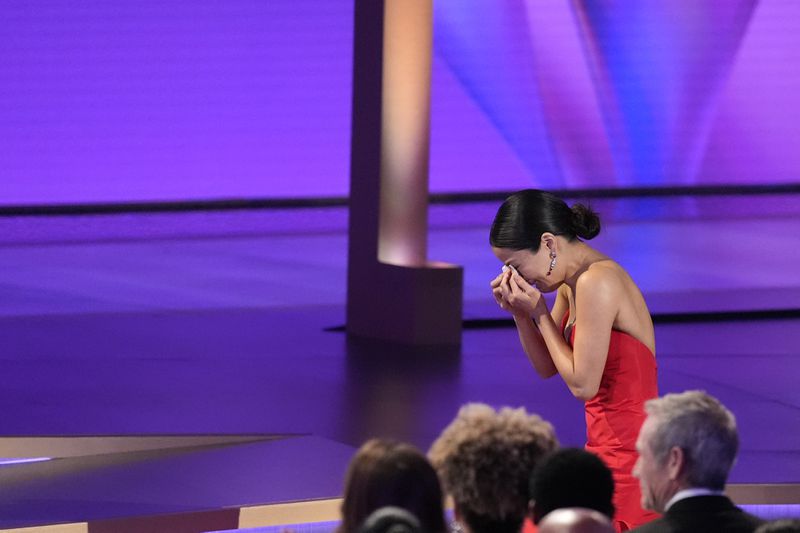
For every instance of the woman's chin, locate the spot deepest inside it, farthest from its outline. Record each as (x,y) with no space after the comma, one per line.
(545,288)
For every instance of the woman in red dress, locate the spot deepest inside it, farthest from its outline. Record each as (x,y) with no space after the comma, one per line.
(598,336)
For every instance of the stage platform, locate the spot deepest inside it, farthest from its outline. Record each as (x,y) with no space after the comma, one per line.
(218,324)
(169,483)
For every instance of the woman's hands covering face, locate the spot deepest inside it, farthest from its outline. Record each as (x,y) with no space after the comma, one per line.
(515,295)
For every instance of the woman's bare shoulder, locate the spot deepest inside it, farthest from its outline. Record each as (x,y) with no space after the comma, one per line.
(604,274)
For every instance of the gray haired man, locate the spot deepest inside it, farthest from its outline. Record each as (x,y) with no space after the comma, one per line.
(687,446)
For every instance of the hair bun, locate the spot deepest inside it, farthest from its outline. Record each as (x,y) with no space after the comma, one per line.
(585,221)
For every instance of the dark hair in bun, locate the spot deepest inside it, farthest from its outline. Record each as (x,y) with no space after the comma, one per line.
(526,215)
(585,222)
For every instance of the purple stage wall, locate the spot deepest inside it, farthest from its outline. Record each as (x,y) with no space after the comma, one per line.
(147,100)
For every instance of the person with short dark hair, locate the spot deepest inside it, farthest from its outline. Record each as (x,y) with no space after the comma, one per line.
(598,336)
(571,477)
(687,446)
(388,473)
(484,459)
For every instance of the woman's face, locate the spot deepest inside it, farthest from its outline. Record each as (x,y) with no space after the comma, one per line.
(533,266)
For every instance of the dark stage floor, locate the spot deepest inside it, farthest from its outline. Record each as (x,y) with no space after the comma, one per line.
(214,323)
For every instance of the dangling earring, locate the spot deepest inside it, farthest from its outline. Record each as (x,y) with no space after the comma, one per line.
(552,262)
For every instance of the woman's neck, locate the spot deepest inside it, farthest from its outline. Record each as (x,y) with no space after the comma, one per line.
(579,257)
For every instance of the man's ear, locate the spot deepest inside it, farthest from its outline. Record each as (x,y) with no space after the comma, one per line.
(676,463)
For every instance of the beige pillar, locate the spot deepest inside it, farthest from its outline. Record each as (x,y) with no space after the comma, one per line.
(394,292)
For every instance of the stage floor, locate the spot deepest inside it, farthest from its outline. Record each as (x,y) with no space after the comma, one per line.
(215,323)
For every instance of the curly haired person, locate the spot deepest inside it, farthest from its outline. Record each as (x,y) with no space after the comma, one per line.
(484,459)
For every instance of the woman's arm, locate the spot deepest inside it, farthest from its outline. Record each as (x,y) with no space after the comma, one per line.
(532,342)
(534,346)
(581,367)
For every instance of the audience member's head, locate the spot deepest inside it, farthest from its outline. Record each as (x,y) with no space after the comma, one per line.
(571,477)
(484,458)
(391,520)
(786,525)
(386,473)
(688,440)
(575,520)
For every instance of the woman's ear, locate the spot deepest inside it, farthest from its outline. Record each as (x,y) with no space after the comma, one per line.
(549,241)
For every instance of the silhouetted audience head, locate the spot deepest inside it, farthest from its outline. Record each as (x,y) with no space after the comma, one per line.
(688,440)
(571,477)
(575,520)
(391,520)
(484,458)
(786,525)
(387,473)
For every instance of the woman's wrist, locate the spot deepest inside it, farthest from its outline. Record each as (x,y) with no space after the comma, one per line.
(521,316)
(541,312)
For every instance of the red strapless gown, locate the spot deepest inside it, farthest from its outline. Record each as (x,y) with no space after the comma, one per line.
(614,417)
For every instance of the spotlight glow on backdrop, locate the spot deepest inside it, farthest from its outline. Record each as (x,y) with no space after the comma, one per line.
(148,101)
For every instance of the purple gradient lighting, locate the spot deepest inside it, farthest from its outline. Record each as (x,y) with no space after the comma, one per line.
(659,69)
(662,94)
(149,101)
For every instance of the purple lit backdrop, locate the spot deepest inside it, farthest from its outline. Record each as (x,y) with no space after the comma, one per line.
(145,100)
